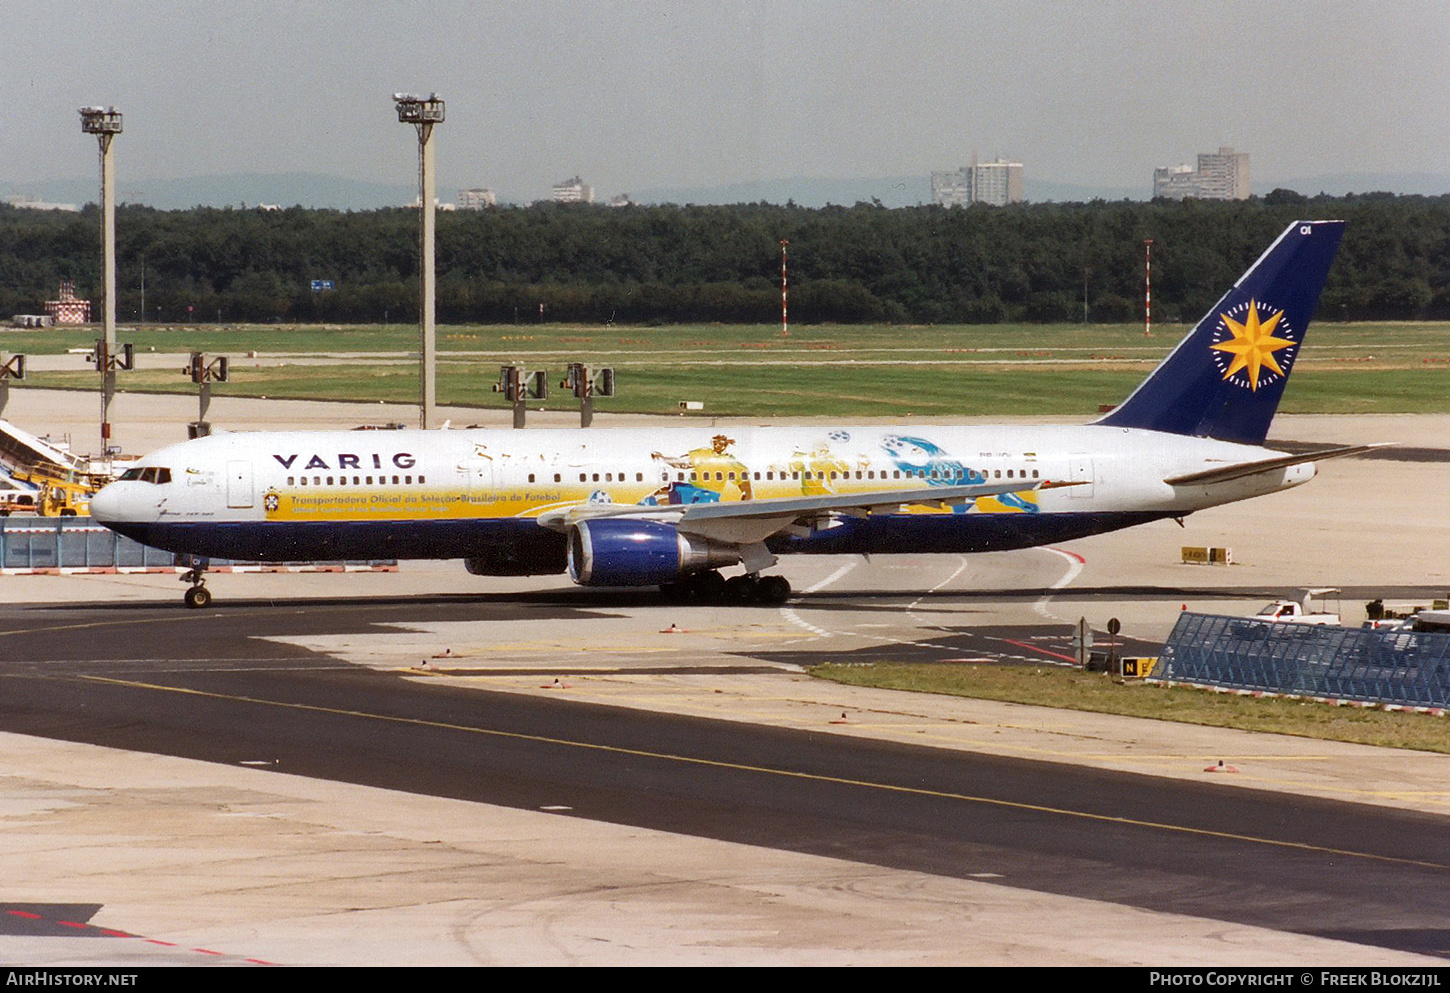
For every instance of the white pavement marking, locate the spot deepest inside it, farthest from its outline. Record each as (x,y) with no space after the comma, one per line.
(1075,566)
(912,606)
(789,613)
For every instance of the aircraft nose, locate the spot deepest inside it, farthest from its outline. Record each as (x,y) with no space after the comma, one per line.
(106,505)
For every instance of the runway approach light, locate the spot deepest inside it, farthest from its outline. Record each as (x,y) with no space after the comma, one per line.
(519,386)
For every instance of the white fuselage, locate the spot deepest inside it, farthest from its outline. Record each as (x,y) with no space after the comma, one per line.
(295,495)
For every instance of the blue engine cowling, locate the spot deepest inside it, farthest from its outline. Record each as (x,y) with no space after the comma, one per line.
(623,552)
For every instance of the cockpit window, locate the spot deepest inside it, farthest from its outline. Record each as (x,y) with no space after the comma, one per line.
(150,474)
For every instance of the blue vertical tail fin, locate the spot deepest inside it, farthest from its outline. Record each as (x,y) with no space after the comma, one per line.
(1225,379)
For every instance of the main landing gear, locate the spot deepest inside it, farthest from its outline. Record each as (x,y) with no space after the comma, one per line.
(197,595)
(710,587)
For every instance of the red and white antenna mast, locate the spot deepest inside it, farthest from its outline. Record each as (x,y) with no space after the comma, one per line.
(1147,287)
(784,297)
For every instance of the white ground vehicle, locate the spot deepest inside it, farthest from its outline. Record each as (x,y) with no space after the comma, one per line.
(1300,612)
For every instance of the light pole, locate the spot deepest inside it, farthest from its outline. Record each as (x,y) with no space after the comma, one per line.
(423,113)
(105,124)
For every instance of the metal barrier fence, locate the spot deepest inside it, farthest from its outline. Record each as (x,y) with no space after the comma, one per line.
(78,544)
(1383,666)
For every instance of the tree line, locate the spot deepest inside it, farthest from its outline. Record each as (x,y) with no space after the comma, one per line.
(673,264)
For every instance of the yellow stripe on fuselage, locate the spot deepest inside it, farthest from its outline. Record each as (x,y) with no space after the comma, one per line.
(429,503)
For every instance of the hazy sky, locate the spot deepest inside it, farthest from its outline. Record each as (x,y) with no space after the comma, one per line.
(634,94)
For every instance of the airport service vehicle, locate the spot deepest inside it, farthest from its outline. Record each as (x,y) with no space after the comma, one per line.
(671,507)
(15,498)
(1296,612)
(54,495)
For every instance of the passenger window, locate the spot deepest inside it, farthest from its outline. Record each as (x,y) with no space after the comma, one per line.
(557,478)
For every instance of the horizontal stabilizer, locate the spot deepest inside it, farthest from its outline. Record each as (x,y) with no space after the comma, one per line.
(1244,469)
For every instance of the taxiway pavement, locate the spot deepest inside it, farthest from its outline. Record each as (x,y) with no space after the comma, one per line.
(256,863)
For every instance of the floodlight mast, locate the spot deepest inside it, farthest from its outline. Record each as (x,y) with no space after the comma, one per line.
(105,124)
(423,113)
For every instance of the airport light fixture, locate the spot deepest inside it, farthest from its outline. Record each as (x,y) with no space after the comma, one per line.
(423,113)
(105,124)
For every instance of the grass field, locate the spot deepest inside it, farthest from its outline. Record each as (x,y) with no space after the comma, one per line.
(1071,689)
(752,370)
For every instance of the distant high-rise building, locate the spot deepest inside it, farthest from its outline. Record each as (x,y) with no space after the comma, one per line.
(573,191)
(998,183)
(951,189)
(477,198)
(1224,176)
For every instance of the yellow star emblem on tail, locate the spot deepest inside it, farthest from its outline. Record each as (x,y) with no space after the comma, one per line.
(1253,344)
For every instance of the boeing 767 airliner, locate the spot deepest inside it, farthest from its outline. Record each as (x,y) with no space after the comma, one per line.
(671,507)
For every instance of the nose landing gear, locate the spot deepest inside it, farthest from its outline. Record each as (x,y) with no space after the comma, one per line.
(197,595)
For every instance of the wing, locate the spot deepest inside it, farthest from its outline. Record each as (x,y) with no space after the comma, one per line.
(746,522)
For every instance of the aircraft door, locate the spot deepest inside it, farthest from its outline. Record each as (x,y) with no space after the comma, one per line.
(239,484)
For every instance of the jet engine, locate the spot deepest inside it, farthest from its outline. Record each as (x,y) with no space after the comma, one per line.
(623,552)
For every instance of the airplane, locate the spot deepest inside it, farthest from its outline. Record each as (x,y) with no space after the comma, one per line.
(671,507)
